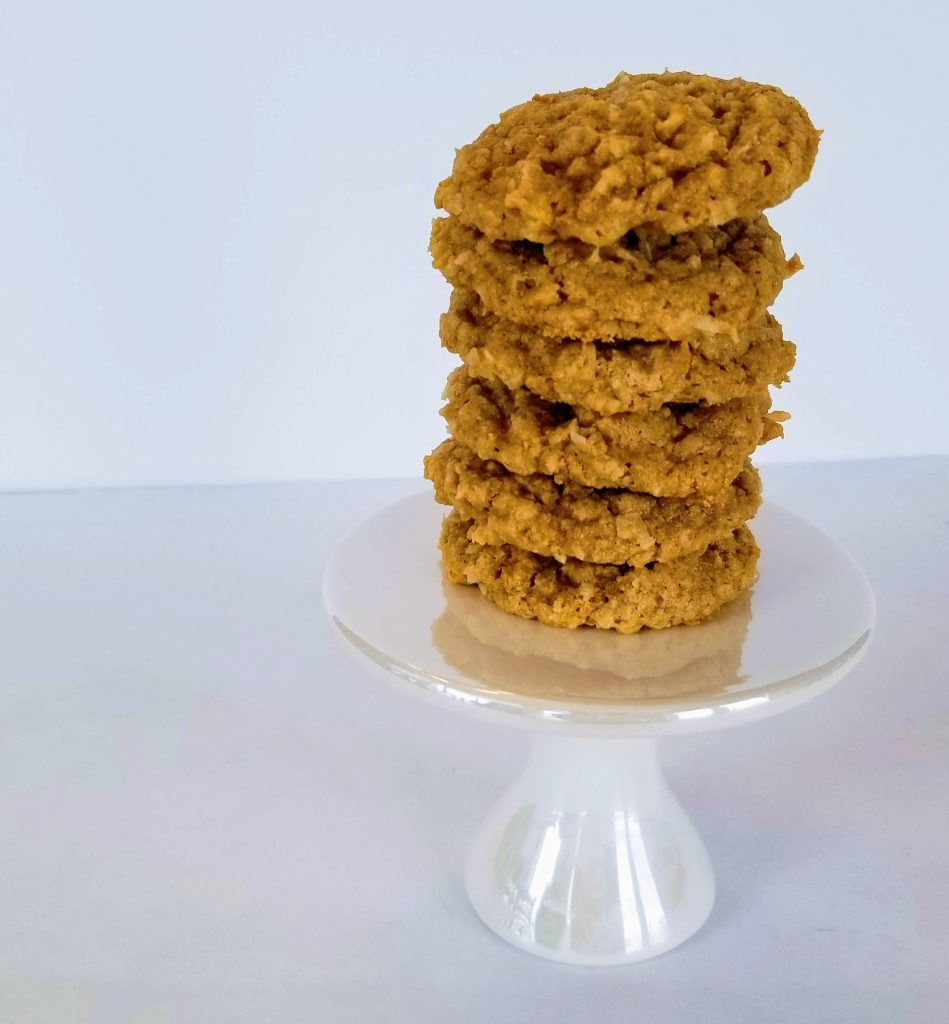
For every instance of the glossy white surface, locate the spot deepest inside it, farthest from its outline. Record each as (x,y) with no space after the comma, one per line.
(207,816)
(588,858)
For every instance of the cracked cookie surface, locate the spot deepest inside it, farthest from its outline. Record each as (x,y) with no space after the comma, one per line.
(711,281)
(611,377)
(572,521)
(574,593)
(675,151)
(674,451)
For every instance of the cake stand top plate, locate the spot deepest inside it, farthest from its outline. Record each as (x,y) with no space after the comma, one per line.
(805,623)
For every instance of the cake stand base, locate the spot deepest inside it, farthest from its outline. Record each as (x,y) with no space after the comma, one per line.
(588,858)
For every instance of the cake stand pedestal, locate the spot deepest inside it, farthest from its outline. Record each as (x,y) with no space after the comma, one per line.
(588,858)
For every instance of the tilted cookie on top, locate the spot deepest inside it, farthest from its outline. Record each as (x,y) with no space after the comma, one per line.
(674,151)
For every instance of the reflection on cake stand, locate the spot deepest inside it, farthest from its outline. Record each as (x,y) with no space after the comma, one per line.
(588,858)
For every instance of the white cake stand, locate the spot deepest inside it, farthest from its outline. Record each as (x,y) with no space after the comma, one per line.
(588,858)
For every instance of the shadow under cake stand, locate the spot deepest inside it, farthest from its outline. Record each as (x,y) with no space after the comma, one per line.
(588,858)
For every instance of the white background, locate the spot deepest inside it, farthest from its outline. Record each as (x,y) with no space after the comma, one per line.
(215,215)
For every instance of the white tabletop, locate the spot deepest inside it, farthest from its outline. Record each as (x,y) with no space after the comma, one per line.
(211,812)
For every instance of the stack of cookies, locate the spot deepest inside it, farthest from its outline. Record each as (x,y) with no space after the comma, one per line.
(612,273)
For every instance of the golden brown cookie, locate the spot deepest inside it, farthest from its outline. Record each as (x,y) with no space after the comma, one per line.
(675,151)
(575,593)
(602,660)
(656,287)
(571,521)
(674,451)
(615,376)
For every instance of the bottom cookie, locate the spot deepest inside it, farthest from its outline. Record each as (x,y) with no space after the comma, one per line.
(526,658)
(570,594)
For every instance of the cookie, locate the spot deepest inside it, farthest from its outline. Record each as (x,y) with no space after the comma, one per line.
(571,521)
(601,657)
(541,676)
(526,657)
(674,451)
(575,593)
(714,280)
(617,376)
(674,151)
